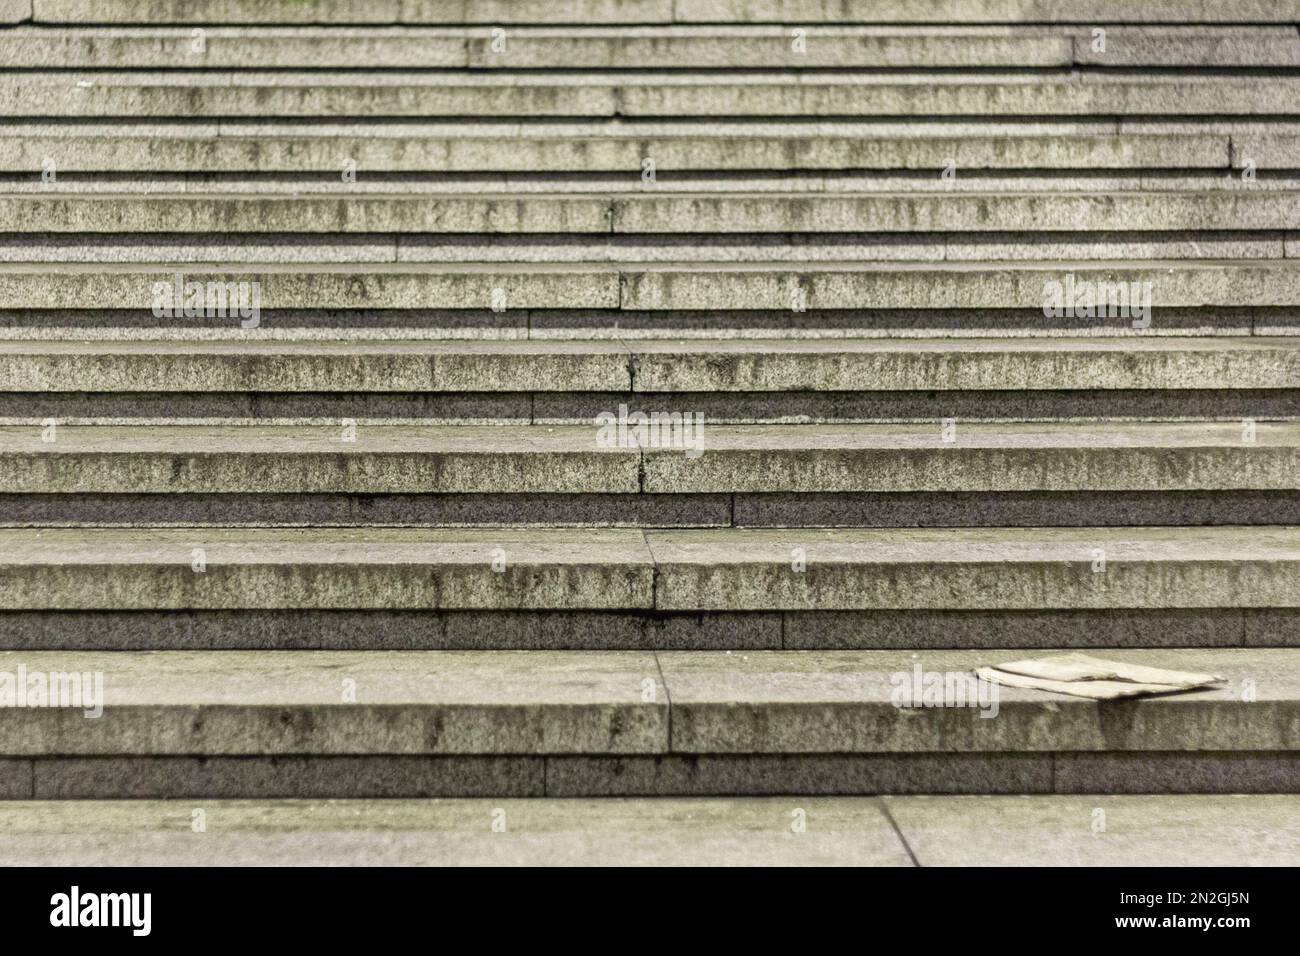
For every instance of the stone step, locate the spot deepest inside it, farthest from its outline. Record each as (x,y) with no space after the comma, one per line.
(757,184)
(691,457)
(732,570)
(243,217)
(493,12)
(748,831)
(589,148)
(630,723)
(643,248)
(642,47)
(266,95)
(1123,292)
(682,366)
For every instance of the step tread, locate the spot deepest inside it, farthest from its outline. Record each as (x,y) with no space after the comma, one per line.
(631,569)
(500,702)
(200,440)
(634,366)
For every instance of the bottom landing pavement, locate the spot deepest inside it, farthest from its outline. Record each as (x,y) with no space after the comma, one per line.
(863,831)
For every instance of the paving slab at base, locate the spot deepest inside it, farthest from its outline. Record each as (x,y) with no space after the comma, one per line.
(323,702)
(444,832)
(1100,830)
(1008,830)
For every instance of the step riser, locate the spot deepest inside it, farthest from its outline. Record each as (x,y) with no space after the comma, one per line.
(740,408)
(636,631)
(218,777)
(233,222)
(343,96)
(813,249)
(795,510)
(679,468)
(618,325)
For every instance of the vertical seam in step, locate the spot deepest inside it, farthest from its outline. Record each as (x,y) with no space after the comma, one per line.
(654,572)
(668,699)
(898,831)
(397,247)
(1051,763)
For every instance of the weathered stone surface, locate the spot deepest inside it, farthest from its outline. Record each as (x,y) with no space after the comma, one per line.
(972,569)
(305,459)
(845,702)
(315,366)
(376,286)
(979,457)
(986,11)
(253,94)
(1176,831)
(373,568)
(901,285)
(954,364)
(757,832)
(687,366)
(338,702)
(588,147)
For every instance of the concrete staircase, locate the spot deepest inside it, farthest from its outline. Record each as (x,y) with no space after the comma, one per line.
(381,535)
